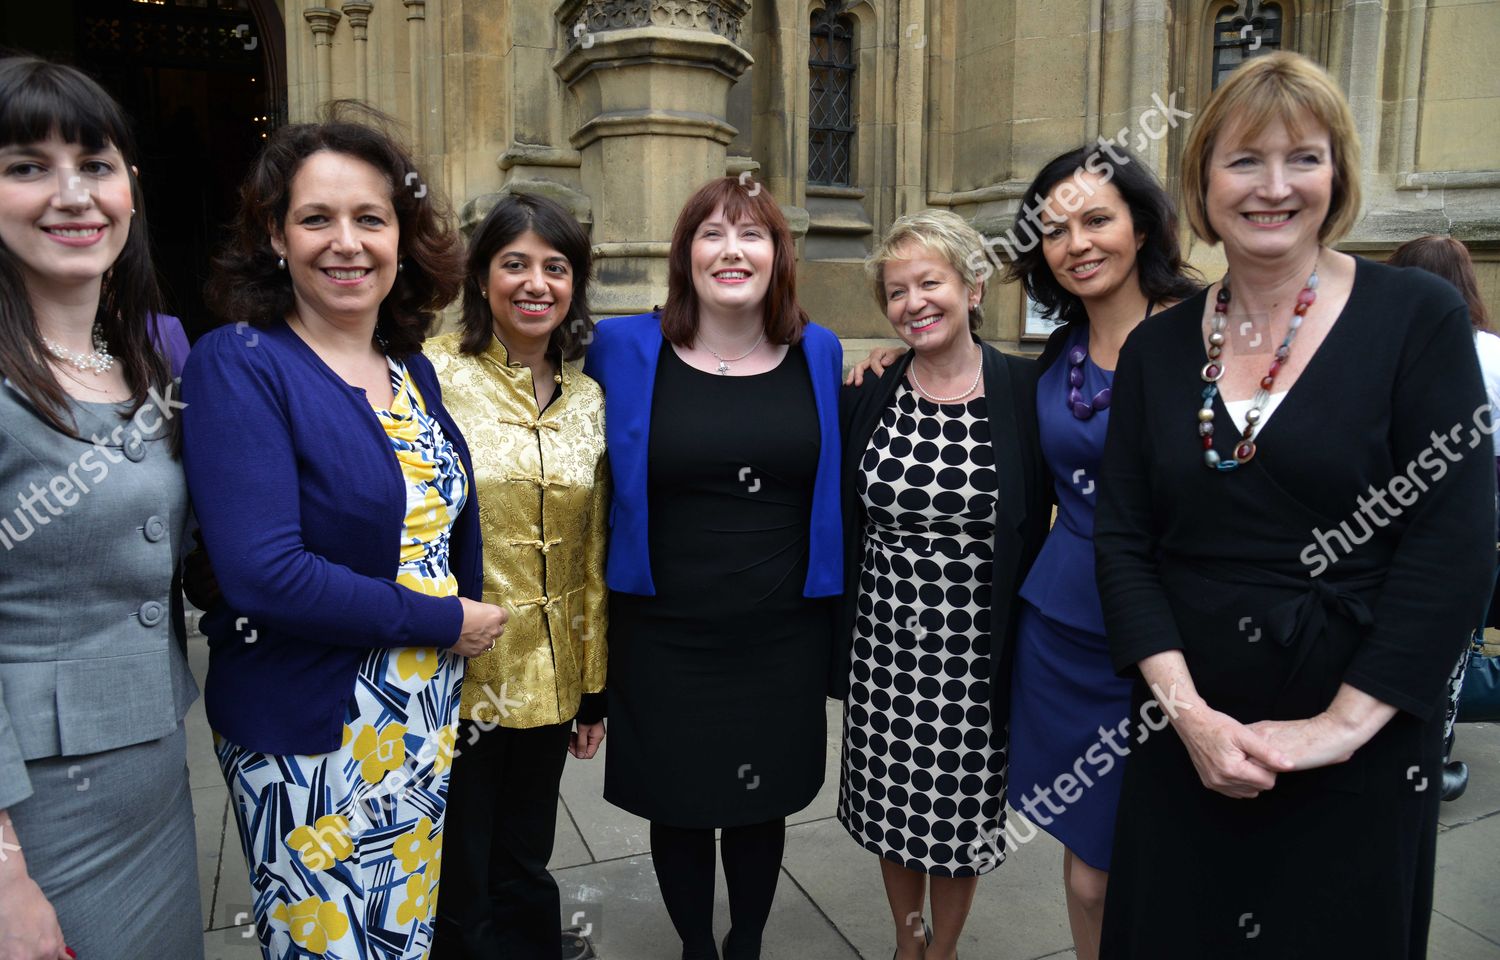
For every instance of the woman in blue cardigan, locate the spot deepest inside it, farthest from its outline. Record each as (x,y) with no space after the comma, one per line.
(721,417)
(333,491)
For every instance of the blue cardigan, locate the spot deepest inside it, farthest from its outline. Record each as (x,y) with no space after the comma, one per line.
(623,360)
(302,503)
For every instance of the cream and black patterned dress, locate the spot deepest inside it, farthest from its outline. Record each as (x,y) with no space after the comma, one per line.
(923,773)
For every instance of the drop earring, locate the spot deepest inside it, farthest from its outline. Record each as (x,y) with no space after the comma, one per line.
(281,263)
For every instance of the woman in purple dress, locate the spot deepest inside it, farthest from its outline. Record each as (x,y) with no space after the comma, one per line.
(1107,258)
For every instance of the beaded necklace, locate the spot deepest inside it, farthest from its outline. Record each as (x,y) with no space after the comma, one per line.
(1213,370)
(1084,409)
(98,360)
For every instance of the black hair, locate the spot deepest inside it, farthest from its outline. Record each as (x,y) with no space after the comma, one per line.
(1160,270)
(40,99)
(512,216)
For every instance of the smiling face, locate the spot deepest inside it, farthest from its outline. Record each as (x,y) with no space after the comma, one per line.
(64,210)
(340,239)
(1268,197)
(926,300)
(530,290)
(731,264)
(1091,248)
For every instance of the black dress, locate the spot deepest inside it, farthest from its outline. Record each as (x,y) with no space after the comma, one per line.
(717,683)
(1246,574)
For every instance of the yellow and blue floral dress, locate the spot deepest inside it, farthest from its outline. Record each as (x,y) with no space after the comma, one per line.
(345,848)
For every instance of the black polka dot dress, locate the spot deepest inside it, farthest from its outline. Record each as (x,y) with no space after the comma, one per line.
(923,779)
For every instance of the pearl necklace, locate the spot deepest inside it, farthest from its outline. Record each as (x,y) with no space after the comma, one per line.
(723,367)
(936,399)
(1213,370)
(98,360)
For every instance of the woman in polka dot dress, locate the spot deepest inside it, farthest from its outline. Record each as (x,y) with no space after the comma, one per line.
(945,506)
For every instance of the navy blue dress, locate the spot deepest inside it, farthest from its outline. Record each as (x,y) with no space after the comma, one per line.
(1069,711)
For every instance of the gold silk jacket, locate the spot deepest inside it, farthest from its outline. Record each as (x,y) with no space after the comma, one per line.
(543,488)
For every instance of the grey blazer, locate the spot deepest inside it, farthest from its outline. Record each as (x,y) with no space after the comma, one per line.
(90,534)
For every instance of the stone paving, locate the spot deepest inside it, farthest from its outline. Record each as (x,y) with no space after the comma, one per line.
(829,904)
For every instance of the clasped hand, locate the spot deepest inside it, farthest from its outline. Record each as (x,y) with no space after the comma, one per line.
(1242,760)
(483,625)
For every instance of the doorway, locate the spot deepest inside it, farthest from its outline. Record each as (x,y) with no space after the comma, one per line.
(204,82)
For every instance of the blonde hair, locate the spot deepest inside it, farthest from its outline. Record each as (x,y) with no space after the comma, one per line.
(1281,86)
(942,233)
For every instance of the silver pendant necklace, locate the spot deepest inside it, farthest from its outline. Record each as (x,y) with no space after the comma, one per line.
(723,367)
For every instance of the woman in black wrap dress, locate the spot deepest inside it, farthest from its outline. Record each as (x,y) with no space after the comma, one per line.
(1295,614)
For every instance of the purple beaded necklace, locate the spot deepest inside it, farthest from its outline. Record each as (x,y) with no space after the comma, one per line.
(1082,409)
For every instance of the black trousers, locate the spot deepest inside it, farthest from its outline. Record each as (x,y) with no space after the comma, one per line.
(497,899)
(684,862)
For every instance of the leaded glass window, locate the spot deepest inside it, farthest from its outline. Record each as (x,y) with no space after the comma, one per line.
(1251,29)
(831,104)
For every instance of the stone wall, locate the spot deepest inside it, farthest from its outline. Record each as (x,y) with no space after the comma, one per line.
(619,108)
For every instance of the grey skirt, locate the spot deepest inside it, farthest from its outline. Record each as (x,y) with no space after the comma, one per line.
(109,838)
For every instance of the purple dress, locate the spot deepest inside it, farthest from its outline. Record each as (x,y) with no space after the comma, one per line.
(1068,709)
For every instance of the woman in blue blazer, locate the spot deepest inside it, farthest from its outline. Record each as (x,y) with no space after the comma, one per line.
(721,415)
(334,493)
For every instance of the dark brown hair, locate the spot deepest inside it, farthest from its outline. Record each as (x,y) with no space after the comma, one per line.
(37,100)
(246,283)
(1159,268)
(1449,259)
(511,217)
(784,317)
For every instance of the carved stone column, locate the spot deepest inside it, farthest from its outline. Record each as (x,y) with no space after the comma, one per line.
(416,46)
(358,12)
(322,21)
(653,79)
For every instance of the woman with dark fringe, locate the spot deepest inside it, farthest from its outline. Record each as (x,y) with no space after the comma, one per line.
(97,850)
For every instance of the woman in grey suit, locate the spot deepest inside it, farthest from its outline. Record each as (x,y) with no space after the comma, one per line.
(97,854)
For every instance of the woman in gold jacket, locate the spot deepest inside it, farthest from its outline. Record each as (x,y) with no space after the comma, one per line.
(535,427)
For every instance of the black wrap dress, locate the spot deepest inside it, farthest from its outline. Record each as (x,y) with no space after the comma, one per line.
(1278,586)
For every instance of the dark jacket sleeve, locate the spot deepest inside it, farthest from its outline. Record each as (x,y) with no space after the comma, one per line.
(1137,617)
(854,415)
(1439,578)
(242,472)
(593,707)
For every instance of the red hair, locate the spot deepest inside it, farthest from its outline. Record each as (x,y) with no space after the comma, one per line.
(784,317)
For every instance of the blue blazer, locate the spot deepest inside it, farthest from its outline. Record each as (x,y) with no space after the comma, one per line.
(623,359)
(302,503)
